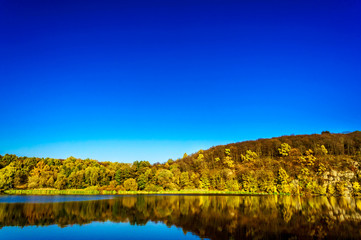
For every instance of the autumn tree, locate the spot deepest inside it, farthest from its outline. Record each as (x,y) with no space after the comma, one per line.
(284,149)
(283,181)
(7,176)
(249,157)
(130,184)
(165,179)
(249,182)
(185,182)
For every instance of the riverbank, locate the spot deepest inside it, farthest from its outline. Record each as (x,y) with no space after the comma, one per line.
(104,192)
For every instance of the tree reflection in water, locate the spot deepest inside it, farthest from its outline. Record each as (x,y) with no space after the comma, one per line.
(215,217)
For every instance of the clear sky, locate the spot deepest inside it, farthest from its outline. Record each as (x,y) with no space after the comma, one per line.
(150,80)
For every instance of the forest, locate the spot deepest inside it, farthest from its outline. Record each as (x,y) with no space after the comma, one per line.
(326,163)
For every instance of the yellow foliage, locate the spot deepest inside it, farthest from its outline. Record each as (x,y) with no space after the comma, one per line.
(309,159)
(283,180)
(228,162)
(358,204)
(321,168)
(324,150)
(249,157)
(249,183)
(305,171)
(320,189)
(331,189)
(284,149)
(340,188)
(282,176)
(356,188)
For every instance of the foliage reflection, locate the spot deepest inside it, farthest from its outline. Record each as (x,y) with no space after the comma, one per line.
(215,217)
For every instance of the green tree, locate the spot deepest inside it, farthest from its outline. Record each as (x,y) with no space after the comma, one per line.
(122,174)
(143,179)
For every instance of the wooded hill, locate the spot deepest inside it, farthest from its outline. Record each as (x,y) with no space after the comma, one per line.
(324,163)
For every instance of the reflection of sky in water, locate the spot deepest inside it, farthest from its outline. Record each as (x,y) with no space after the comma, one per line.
(96,230)
(209,216)
(50,198)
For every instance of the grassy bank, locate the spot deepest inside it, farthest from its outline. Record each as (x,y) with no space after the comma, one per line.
(103,192)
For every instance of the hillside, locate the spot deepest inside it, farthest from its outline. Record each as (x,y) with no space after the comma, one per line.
(324,163)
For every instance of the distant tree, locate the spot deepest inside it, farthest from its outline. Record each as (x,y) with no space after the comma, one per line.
(92,175)
(232,185)
(122,174)
(249,182)
(283,181)
(7,176)
(309,159)
(199,162)
(249,157)
(143,179)
(324,150)
(204,179)
(164,178)
(185,181)
(60,183)
(266,181)
(284,149)
(130,184)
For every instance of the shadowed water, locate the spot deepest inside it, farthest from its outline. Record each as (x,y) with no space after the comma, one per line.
(179,217)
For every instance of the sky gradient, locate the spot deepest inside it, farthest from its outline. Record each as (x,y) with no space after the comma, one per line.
(150,80)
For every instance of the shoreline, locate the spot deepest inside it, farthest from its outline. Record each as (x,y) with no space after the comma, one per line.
(104,192)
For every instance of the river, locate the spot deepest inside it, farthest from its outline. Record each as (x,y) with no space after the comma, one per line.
(179,217)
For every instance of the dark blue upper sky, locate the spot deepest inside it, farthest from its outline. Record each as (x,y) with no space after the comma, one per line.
(147,80)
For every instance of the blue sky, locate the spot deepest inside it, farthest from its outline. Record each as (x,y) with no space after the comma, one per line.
(150,80)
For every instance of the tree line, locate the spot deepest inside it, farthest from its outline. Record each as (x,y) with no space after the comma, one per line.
(287,164)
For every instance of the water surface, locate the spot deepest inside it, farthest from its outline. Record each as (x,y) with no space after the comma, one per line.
(179,217)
